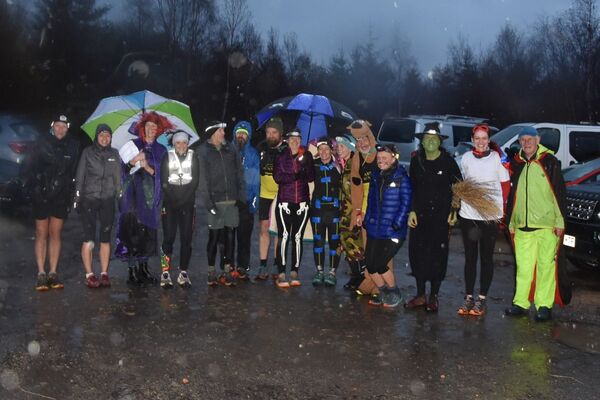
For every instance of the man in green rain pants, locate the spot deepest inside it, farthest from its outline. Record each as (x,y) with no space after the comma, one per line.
(535,216)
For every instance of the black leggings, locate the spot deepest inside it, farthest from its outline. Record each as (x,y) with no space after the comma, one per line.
(244,237)
(378,254)
(478,236)
(184,219)
(222,240)
(291,222)
(325,224)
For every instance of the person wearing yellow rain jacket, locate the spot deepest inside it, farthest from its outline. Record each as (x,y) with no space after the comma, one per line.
(535,215)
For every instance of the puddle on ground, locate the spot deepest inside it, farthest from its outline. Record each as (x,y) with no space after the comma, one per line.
(585,337)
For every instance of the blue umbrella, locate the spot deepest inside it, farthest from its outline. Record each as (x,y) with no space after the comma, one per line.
(313,109)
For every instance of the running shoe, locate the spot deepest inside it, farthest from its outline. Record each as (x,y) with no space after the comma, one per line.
(294,279)
(479,307)
(515,311)
(54,282)
(281,282)
(41,284)
(376,300)
(433,304)
(165,280)
(330,279)
(317,280)
(467,306)
(104,280)
(212,279)
(92,282)
(392,299)
(543,314)
(242,274)
(226,279)
(184,280)
(262,274)
(416,302)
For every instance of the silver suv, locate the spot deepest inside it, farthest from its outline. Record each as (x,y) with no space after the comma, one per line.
(401,131)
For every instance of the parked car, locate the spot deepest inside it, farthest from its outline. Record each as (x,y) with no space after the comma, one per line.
(582,234)
(401,132)
(580,173)
(17,135)
(571,143)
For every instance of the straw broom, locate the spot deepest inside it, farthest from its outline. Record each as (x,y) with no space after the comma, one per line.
(478,196)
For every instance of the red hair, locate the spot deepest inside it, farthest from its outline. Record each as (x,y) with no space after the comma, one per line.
(162,122)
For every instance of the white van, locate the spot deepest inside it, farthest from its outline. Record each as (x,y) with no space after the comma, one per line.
(401,131)
(570,143)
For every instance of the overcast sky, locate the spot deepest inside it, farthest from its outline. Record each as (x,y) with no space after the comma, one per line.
(323,26)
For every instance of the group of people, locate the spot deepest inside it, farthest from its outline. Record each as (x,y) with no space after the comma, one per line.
(358,199)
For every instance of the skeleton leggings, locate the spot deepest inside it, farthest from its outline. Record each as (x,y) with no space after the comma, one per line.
(291,221)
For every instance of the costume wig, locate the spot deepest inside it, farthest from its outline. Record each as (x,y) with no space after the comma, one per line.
(162,122)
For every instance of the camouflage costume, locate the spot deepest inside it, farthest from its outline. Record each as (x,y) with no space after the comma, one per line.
(350,237)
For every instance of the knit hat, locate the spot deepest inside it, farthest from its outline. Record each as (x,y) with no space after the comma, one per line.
(181,136)
(528,131)
(61,118)
(103,128)
(276,123)
(347,140)
(213,126)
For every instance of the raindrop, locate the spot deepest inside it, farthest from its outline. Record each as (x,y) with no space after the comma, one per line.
(396,4)
(9,379)
(33,348)
(120,362)
(213,370)
(417,387)
(300,345)
(116,338)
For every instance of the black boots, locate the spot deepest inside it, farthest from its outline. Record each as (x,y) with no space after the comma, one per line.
(139,275)
(357,271)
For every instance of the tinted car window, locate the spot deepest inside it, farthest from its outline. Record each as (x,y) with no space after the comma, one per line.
(583,145)
(399,131)
(550,138)
(461,134)
(24,130)
(506,134)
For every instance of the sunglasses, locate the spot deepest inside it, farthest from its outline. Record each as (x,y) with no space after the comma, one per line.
(482,127)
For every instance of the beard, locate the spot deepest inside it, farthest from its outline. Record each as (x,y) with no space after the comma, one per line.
(241,141)
(272,142)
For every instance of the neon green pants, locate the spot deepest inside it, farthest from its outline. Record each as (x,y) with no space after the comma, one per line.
(535,252)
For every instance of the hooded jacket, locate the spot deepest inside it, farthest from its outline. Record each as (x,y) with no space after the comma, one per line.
(51,169)
(221,175)
(540,178)
(98,174)
(251,164)
(537,198)
(292,173)
(389,203)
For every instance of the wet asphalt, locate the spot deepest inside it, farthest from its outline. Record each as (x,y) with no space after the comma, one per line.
(255,341)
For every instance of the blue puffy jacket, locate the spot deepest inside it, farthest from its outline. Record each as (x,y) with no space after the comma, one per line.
(388,204)
(251,164)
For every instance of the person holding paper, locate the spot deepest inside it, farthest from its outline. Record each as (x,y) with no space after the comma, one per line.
(140,201)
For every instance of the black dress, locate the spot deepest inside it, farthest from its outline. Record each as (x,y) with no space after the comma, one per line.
(431,200)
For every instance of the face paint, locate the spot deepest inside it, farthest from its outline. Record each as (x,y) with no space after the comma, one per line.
(431,143)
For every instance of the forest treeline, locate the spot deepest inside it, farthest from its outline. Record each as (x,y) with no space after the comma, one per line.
(67,54)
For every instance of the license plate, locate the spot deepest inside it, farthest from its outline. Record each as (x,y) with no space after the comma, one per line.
(569,240)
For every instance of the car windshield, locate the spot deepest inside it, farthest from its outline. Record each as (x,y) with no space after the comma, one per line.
(399,131)
(576,171)
(506,134)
